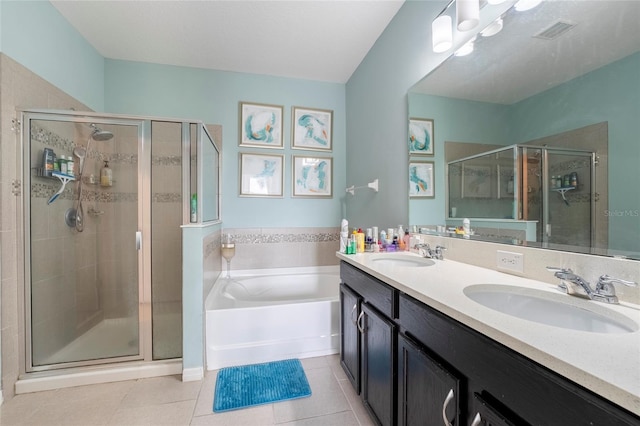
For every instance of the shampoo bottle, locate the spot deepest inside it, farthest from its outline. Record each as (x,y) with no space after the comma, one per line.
(106,175)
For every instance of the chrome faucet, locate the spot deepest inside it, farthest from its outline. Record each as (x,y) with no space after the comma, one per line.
(424,249)
(575,285)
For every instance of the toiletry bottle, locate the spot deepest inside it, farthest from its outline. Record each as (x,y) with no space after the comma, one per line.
(62,164)
(194,208)
(574,179)
(106,175)
(56,163)
(510,185)
(47,162)
(70,165)
(405,240)
(566,181)
(466,226)
(360,241)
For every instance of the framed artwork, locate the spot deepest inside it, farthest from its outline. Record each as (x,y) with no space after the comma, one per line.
(312,176)
(421,136)
(312,129)
(476,181)
(261,125)
(421,179)
(261,175)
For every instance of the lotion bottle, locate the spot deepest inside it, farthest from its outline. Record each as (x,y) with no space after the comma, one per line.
(106,175)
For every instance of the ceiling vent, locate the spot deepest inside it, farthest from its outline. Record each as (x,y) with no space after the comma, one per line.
(555,30)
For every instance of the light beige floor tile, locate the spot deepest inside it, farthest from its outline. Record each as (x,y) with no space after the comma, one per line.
(204,404)
(334,363)
(172,414)
(161,390)
(355,402)
(345,418)
(255,416)
(67,412)
(311,363)
(326,398)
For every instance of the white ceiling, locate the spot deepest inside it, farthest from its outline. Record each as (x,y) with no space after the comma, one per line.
(315,40)
(513,65)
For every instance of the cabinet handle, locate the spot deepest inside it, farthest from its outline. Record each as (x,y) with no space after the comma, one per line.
(477,420)
(360,327)
(352,311)
(447,400)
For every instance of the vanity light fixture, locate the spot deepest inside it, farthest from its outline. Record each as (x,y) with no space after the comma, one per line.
(467,14)
(493,28)
(441,34)
(494,2)
(523,5)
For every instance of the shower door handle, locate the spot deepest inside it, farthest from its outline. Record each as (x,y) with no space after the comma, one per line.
(138,240)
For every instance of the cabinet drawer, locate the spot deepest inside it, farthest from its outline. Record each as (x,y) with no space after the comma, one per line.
(372,290)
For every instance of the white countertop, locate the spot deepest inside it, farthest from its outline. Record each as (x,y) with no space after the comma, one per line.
(607,364)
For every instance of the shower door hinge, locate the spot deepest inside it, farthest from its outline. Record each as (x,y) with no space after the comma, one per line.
(15,125)
(16,187)
(596,161)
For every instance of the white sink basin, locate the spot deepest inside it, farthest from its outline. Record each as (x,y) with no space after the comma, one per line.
(402,260)
(557,310)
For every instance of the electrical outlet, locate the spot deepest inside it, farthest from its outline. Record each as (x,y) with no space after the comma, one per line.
(509,261)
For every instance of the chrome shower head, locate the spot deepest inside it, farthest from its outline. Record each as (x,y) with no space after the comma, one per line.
(100,135)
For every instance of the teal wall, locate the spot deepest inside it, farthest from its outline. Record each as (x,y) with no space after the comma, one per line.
(611,94)
(377,112)
(455,120)
(213,97)
(34,34)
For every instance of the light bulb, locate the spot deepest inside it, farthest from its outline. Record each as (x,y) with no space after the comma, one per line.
(441,34)
(467,14)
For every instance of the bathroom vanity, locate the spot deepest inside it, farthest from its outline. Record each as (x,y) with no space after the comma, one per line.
(419,351)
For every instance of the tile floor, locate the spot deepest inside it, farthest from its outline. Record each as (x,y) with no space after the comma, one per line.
(169,401)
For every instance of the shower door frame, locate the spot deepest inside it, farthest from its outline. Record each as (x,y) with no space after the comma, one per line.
(144,227)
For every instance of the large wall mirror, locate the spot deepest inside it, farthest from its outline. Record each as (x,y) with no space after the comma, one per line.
(562,76)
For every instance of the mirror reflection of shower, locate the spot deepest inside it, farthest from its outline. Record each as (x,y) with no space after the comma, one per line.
(75,215)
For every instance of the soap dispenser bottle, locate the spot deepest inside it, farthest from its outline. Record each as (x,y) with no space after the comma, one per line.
(106,175)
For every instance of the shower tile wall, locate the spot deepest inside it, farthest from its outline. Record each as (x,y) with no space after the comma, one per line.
(64,280)
(18,87)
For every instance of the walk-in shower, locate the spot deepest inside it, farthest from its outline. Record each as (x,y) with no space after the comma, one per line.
(549,191)
(103,262)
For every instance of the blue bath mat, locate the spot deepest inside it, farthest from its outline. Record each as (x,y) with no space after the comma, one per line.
(257,384)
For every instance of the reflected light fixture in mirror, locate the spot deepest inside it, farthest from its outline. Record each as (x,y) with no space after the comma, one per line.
(493,2)
(466,48)
(441,34)
(523,5)
(493,28)
(467,14)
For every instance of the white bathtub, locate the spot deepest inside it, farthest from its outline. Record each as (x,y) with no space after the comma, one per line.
(267,315)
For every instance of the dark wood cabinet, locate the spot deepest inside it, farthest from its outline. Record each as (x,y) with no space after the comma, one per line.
(427,390)
(378,359)
(421,367)
(350,336)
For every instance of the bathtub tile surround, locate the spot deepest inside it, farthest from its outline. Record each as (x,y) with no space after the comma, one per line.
(483,254)
(264,248)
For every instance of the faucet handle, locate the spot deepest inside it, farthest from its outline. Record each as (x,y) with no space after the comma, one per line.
(558,269)
(606,279)
(440,252)
(606,292)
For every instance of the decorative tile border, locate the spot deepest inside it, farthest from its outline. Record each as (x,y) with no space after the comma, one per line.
(260,238)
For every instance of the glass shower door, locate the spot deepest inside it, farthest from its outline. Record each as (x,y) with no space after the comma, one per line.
(569,201)
(83,291)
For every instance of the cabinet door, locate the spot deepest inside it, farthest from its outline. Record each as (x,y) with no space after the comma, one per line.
(378,365)
(349,335)
(428,393)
